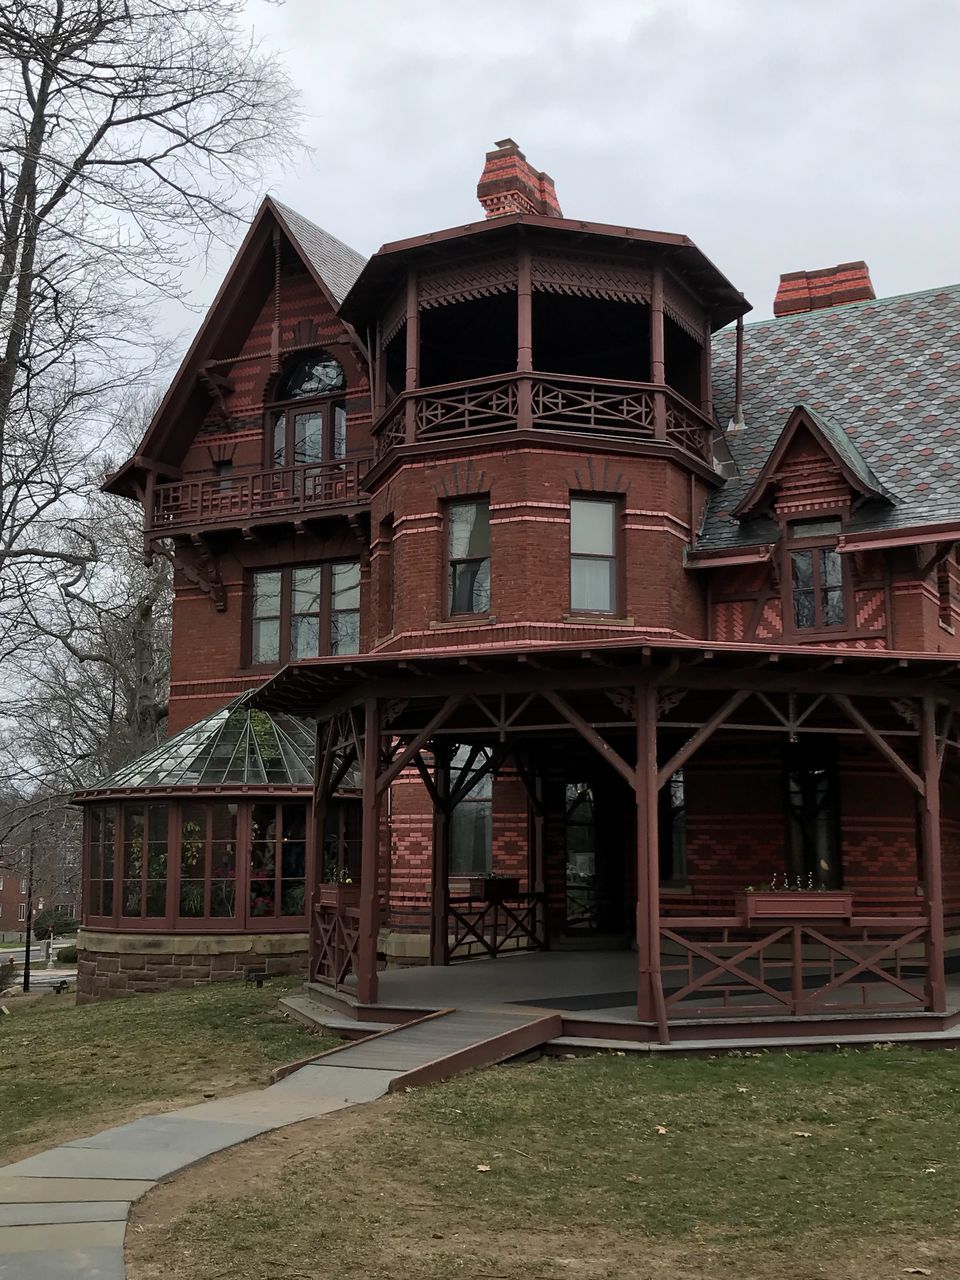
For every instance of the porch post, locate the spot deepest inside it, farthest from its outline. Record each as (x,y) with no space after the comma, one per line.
(369,857)
(930,844)
(650,1002)
(524,339)
(440,862)
(657,360)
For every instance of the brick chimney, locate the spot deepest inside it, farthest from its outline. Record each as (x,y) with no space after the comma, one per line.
(509,184)
(829,287)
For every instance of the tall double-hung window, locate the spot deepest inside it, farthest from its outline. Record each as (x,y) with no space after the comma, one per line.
(468,547)
(305,611)
(593,555)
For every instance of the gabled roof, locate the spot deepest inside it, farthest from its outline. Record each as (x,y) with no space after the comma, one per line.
(334,267)
(885,373)
(235,746)
(835,443)
(335,264)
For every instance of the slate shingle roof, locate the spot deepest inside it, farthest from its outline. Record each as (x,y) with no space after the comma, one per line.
(335,262)
(884,374)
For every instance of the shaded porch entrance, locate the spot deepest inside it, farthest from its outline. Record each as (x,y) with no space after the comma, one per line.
(646,713)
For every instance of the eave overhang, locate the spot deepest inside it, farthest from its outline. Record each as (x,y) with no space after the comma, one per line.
(384,272)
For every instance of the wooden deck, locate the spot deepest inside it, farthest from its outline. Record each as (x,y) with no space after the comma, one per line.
(484,1011)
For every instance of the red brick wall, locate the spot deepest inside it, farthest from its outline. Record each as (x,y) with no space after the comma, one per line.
(529,491)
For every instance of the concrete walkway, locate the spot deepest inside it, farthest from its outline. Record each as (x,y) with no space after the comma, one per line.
(63,1213)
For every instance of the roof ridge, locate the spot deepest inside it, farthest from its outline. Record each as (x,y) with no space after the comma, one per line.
(842,306)
(288,209)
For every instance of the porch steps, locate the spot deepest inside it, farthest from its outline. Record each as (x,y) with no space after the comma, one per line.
(444,1043)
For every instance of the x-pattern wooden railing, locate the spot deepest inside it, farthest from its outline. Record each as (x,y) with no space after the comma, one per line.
(552,402)
(799,968)
(334,944)
(495,926)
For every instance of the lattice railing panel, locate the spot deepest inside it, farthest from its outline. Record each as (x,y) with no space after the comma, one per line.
(792,968)
(334,942)
(476,927)
(467,409)
(571,405)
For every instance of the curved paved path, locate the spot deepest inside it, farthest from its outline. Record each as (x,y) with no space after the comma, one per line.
(63,1213)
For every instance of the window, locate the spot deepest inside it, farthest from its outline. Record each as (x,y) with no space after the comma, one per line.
(813,815)
(278,860)
(471,822)
(816,576)
(23,884)
(673,830)
(593,556)
(581,842)
(1,884)
(305,612)
(22,911)
(302,433)
(468,541)
(101,832)
(144,860)
(208,861)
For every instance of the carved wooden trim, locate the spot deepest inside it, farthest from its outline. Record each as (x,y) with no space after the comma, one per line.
(478,278)
(590,277)
(394,317)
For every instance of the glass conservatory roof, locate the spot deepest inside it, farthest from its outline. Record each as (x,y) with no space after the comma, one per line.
(236,745)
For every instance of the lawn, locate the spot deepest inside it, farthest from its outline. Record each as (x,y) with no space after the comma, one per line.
(792,1165)
(66,1071)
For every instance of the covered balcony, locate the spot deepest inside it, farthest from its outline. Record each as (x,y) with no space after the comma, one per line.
(246,499)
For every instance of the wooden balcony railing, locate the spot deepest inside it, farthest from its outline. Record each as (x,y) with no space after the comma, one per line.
(546,402)
(259,495)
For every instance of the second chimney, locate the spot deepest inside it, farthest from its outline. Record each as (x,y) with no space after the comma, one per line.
(509,184)
(829,287)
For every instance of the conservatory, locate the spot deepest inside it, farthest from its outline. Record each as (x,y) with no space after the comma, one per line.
(198,856)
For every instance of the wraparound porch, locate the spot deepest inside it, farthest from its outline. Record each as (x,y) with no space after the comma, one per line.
(644,712)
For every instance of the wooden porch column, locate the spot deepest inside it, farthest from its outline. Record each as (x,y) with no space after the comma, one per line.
(650,1002)
(369,857)
(524,339)
(657,362)
(412,378)
(930,848)
(440,862)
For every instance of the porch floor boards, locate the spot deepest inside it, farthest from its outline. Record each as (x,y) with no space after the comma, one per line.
(591,993)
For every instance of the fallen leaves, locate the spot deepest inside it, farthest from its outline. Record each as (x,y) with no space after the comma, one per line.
(662,1129)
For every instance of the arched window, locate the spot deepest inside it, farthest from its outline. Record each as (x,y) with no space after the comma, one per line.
(308,420)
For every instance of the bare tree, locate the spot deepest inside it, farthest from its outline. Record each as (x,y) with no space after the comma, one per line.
(130,130)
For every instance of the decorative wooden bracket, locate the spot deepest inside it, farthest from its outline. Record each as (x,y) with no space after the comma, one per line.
(217,385)
(201,572)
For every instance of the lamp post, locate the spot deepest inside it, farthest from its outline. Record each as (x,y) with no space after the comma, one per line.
(26,950)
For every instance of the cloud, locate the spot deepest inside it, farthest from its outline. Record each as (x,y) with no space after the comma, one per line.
(779,134)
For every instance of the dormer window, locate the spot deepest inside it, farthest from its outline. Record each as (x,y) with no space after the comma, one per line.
(816,575)
(308,420)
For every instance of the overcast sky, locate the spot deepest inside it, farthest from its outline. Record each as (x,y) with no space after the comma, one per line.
(778,134)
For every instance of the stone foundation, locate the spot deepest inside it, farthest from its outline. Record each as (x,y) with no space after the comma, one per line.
(126,964)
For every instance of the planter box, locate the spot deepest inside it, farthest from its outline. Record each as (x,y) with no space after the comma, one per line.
(494,888)
(339,895)
(813,904)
